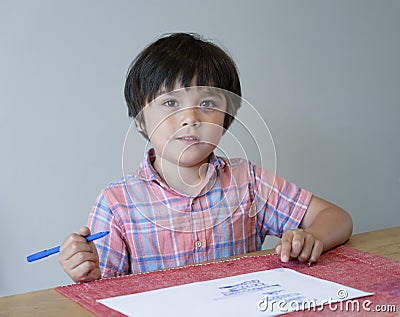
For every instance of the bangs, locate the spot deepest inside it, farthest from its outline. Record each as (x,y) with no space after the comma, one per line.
(190,61)
(186,77)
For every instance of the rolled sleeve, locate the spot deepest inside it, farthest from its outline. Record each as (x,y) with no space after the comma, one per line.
(281,205)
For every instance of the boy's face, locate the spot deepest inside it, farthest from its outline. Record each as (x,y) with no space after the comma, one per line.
(185,125)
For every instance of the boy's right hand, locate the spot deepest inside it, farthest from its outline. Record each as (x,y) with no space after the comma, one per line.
(79,258)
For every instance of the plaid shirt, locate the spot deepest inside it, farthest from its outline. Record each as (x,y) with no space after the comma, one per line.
(153,226)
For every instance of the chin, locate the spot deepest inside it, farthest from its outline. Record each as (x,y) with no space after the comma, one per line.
(194,157)
(192,161)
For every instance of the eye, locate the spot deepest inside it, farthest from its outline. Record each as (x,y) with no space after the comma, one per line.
(208,104)
(170,103)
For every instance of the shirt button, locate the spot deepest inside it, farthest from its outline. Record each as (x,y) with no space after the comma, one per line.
(198,244)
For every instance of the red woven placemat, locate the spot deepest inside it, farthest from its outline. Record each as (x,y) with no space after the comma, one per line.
(344,265)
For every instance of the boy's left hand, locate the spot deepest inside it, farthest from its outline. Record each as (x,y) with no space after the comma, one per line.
(299,244)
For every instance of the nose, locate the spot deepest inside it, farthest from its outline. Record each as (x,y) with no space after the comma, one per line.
(189,116)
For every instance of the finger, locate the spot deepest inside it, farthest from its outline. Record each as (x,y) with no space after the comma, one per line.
(78,259)
(85,231)
(86,271)
(72,238)
(94,251)
(307,248)
(297,243)
(316,251)
(74,244)
(286,245)
(93,275)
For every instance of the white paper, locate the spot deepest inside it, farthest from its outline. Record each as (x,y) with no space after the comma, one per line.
(265,293)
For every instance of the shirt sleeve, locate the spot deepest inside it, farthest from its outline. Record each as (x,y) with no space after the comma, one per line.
(279,204)
(113,255)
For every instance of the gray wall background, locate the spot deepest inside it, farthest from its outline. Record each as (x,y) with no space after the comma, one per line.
(323,74)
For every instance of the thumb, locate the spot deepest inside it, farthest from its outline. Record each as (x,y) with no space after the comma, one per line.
(278,248)
(84,231)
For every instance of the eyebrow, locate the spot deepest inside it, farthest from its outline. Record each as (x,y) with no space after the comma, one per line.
(202,92)
(211,93)
(164,92)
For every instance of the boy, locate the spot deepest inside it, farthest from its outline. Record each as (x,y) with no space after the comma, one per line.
(180,207)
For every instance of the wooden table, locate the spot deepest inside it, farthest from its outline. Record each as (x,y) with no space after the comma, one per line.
(385,242)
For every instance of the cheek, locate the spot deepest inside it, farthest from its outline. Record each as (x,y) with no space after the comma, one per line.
(214,129)
(160,128)
(218,117)
(218,121)
(153,120)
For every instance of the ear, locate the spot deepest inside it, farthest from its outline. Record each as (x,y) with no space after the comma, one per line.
(140,126)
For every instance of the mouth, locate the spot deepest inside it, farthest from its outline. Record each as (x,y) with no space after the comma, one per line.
(188,138)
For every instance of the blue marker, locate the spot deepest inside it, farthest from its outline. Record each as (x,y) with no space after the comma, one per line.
(44,253)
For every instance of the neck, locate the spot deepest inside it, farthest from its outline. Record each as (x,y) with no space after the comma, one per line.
(185,179)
